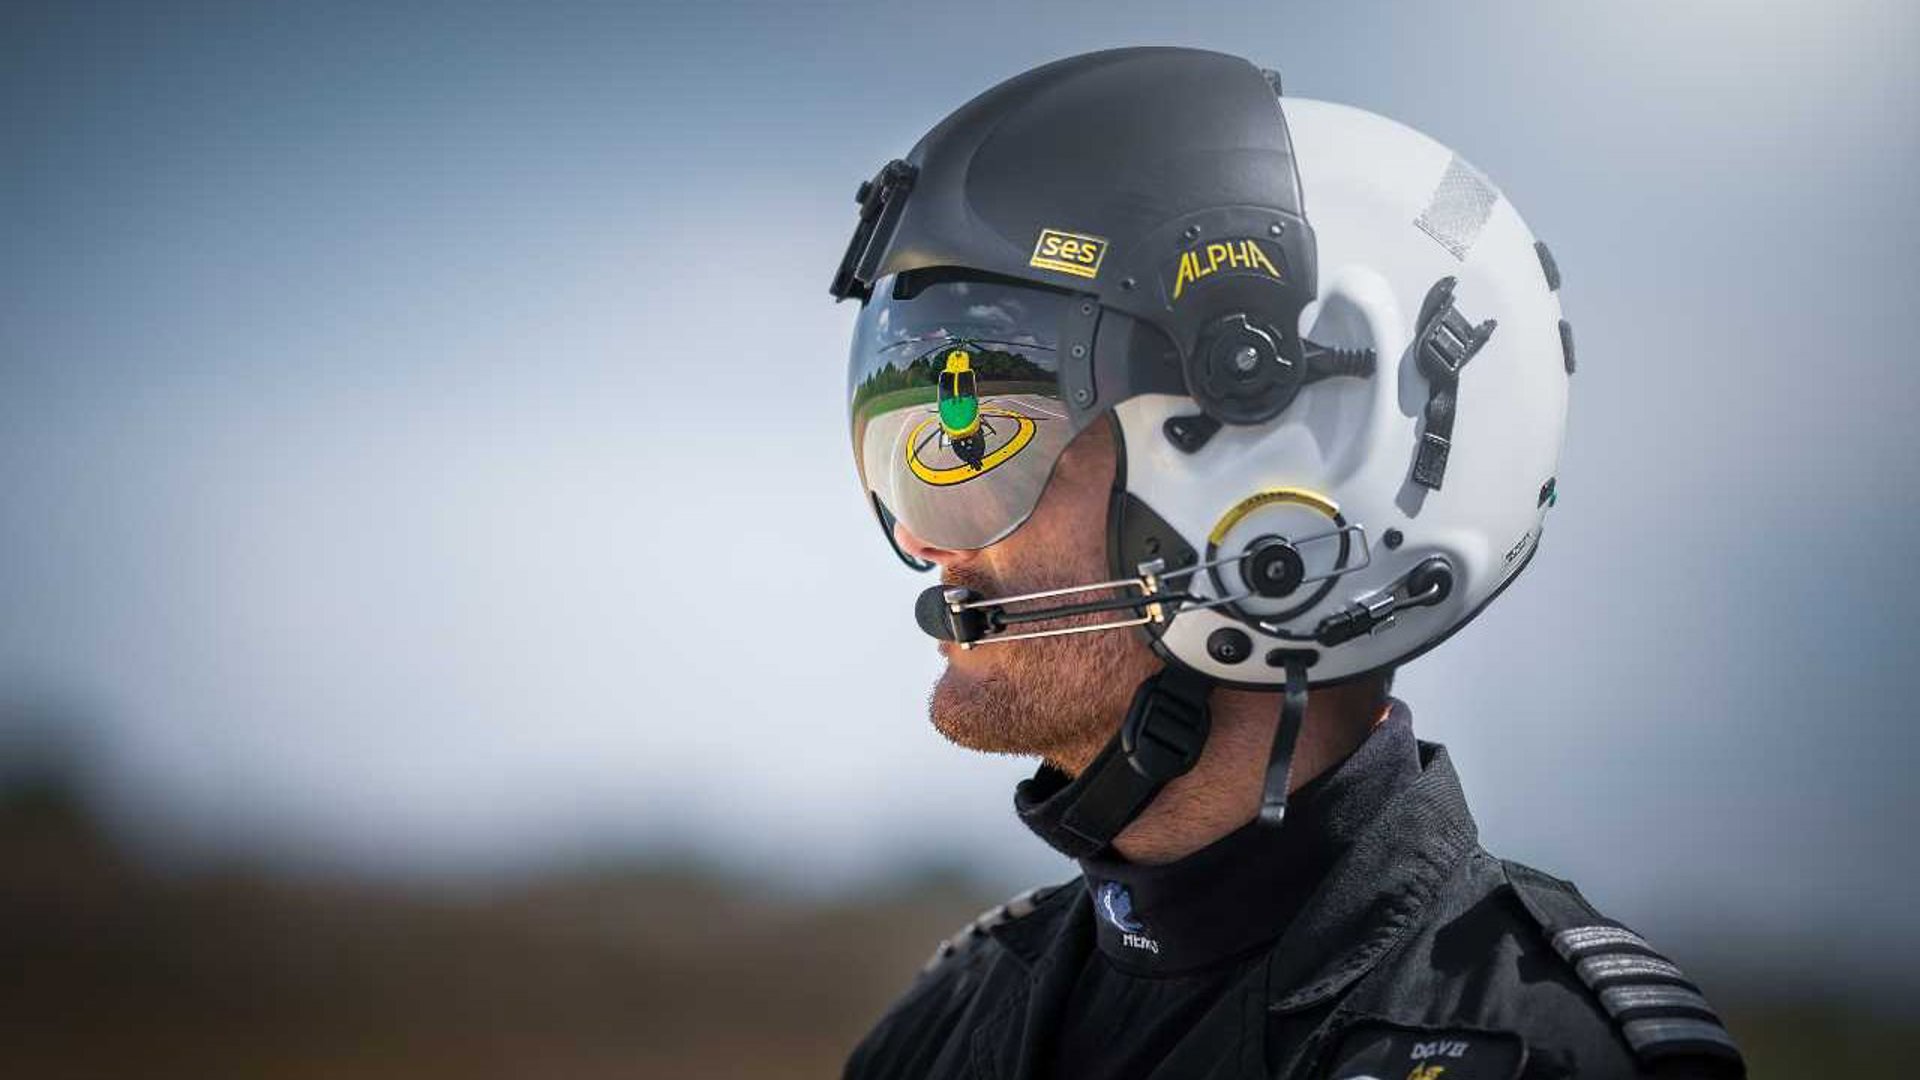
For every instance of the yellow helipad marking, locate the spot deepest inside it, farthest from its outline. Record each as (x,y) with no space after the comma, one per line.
(963,472)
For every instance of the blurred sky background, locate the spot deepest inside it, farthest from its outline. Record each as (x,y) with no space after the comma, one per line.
(423,451)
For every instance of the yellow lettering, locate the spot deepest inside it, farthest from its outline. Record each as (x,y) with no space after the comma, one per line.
(1260,258)
(1220,257)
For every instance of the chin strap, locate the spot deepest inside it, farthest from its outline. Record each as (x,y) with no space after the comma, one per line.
(1161,739)
(1293,712)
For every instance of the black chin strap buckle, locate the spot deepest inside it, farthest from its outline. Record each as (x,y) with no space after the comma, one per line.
(1160,740)
(1167,725)
(1443,344)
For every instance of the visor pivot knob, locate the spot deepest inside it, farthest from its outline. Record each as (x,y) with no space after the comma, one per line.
(1241,372)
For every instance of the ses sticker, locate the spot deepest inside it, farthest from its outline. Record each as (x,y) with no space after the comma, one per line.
(1069,253)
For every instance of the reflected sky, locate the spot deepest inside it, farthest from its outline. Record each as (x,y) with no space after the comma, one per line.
(423,449)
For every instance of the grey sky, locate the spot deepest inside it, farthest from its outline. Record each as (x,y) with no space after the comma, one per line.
(421,435)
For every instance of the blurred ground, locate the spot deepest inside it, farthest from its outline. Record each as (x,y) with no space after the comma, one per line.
(113,970)
(657,970)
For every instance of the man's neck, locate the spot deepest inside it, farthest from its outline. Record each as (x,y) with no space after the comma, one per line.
(1223,790)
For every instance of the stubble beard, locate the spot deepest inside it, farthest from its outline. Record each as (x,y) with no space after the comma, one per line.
(1057,698)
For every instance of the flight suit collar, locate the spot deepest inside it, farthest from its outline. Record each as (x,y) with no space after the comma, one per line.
(1374,894)
(1378,892)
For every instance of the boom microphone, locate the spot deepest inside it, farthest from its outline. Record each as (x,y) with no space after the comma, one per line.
(965,618)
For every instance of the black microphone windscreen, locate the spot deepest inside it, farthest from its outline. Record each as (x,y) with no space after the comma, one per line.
(930,611)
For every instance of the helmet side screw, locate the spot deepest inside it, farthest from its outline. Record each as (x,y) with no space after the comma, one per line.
(1079,351)
(1392,539)
(1081,395)
(1229,645)
(1192,233)
(1276,228)
(1128,283)
(1086,308)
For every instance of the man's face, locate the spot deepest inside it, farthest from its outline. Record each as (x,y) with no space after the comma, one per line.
(1052,697)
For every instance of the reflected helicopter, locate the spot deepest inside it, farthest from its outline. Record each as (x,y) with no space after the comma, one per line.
(963,426)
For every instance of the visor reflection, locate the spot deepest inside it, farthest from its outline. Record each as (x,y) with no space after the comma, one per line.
(956,411)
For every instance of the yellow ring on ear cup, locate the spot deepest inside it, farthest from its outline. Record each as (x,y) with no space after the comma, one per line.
(1293,496)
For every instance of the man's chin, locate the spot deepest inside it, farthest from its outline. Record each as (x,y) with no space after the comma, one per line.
(977,708)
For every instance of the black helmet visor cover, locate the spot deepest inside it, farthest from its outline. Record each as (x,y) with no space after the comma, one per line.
(954,399)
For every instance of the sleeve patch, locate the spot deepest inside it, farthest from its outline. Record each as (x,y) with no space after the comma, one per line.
(1379,1051)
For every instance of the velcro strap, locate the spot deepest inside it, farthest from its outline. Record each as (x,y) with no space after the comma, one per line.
(1112,795)
(1161,739)
(1430,464)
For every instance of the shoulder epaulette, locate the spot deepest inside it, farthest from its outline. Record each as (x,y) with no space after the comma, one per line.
(1659,1011)
(1019,907)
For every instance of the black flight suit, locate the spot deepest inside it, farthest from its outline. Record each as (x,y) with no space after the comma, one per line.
(1369,937)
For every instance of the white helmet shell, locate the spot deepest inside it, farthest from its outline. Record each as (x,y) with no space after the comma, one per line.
(1393,212)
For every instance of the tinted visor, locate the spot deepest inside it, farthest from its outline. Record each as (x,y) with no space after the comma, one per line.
(955,404)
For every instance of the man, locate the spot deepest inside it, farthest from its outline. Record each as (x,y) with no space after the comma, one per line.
(1220,468)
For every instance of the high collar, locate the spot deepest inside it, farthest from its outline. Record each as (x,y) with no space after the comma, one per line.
(1375,894)
(1241,891)
(1378,889)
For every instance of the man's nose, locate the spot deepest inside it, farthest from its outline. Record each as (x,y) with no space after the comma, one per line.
(922,550)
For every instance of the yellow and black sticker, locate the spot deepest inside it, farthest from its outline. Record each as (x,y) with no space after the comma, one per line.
(1069,253)
(1223,257)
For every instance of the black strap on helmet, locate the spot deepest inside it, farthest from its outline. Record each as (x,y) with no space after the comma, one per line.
(1293,713)
(1444,342)
(1161,739)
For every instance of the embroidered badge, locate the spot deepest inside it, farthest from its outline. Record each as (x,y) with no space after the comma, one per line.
(1381,1051)
(1115,903)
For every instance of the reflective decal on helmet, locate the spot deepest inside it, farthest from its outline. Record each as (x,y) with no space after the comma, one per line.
(1069,253)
